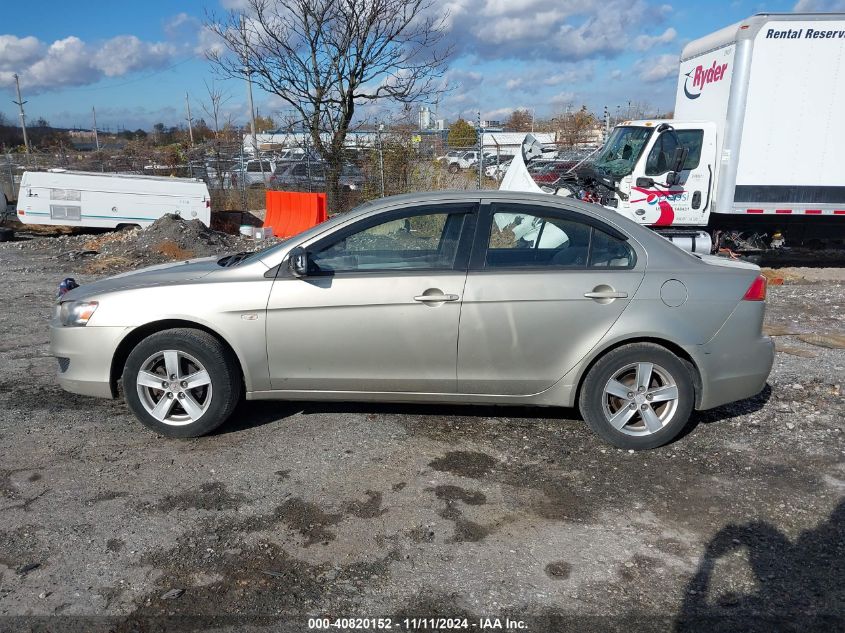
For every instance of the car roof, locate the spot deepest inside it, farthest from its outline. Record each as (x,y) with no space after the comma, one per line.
(469,195)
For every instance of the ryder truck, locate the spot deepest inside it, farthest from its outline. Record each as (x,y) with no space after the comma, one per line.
(757,146)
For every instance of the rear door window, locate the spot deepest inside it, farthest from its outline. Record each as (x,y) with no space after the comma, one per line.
(521,239)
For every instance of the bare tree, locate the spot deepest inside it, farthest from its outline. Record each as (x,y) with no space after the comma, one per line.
(216,99)
(324,58)
(520,121)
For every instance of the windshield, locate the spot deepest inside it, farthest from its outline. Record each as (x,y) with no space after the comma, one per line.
(623,148)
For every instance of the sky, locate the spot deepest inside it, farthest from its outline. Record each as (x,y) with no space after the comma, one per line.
(135,61)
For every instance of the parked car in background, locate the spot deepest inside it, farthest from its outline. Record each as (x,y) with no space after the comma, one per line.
(465,161)
(495,169)
(450,156)
(551,172)
(312,176)
(254,173)
(472,297)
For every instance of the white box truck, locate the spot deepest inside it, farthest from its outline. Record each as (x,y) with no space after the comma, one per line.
(756,151)
(92,199)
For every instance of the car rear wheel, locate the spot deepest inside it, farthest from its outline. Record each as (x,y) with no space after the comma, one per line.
(454,168)
(181,382)
(638,396)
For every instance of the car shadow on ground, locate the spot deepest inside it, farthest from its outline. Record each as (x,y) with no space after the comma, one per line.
(727,412)
(251,414)
(800,584)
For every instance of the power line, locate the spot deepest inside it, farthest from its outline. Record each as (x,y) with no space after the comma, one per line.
(136,80)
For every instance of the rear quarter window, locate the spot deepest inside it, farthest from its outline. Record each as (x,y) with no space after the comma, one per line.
(607,251)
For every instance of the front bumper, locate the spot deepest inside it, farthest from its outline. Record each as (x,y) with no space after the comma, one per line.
(736,362)
(84,357)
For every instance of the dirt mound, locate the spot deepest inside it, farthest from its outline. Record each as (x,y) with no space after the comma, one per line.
(170,238)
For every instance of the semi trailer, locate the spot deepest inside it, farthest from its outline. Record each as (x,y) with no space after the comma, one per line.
(755,153)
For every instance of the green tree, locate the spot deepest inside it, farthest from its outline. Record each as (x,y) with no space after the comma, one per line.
(462,134)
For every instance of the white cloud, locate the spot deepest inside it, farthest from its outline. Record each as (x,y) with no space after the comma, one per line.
(654,69)
(645,42)
(126,53)
(565,30)
(72,62)
(819,6)
(178,24)
(18,51)
(563,99)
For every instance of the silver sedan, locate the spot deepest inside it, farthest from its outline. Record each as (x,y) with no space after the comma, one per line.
(450,297)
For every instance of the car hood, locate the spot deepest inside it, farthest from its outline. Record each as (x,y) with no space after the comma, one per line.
(163,274)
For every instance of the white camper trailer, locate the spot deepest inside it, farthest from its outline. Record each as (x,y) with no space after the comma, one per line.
(92,199)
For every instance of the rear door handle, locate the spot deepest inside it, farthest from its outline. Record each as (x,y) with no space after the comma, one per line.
(436,298)
(608,294)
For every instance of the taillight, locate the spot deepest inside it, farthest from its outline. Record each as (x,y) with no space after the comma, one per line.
(757,290)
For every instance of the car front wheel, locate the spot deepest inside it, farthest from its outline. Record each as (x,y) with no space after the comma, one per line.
(181,382)
(638,396)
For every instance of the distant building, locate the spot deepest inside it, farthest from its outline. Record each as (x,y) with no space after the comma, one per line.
(510,143)
(81,135)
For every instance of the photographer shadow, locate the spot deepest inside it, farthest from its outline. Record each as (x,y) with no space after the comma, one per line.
(800,584)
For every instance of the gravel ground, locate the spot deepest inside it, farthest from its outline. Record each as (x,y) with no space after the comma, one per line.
(294,511)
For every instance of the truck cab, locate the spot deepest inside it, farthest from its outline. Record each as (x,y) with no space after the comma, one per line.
(657,172)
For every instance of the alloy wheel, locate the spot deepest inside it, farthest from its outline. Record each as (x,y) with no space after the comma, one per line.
(640,399)
(174,387)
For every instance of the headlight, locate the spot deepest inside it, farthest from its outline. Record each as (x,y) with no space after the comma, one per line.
(76,313)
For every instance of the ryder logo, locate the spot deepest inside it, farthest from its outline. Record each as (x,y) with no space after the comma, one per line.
(702,76)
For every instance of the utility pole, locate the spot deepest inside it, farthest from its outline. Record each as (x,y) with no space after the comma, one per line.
(20,103)
(248,73)
(480,148)
(190,119)
(379,128)
(96,136)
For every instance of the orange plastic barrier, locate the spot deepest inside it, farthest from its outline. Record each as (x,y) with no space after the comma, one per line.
(292,212)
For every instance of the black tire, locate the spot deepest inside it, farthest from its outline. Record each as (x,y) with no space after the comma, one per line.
(454,168)
(597,406)
(6,235)
(219,362)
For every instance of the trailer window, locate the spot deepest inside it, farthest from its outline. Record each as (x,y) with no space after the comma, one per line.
(65,212)
(660,157)
(66,194)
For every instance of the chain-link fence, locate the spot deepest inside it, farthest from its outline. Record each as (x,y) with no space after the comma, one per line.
(237,178)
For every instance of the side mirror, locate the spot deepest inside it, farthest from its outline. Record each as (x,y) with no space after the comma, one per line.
(678,161)
(680,158)
(645,182)
(298,262)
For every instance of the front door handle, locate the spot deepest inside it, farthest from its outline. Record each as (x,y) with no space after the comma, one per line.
(606,294)
(436,298)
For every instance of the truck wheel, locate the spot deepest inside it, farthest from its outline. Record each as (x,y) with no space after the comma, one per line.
(181,382)
(454,168)
(637,396)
